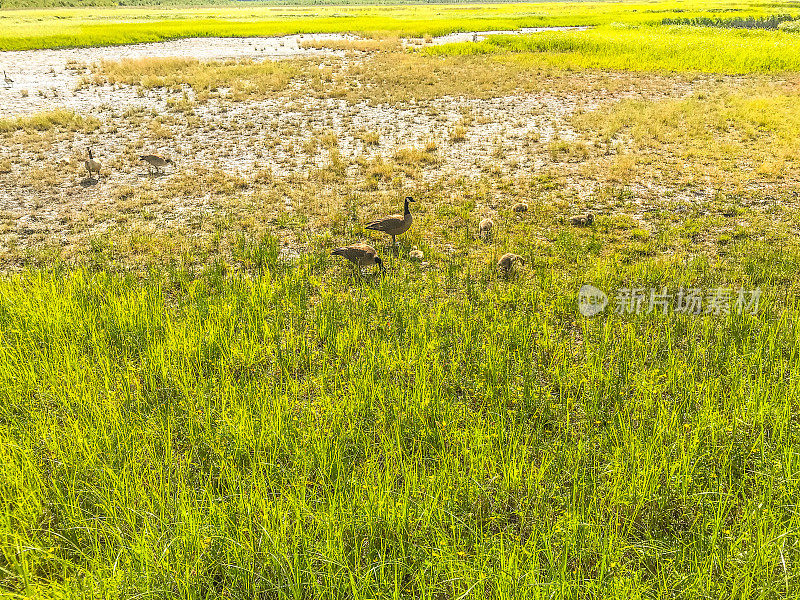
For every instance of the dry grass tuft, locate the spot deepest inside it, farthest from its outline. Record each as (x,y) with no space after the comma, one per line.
(240,79)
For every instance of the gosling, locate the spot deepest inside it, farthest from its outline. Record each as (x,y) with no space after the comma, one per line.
(394,225)
(92,166)
(582,220)
(509,260)
(155,163)
(520,207)
(361,255)
(485,228)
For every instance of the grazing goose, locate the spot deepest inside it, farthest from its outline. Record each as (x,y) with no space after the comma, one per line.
(582,220)
(92,166)
(394,225)
(155,162)
(7,79)
(360,255)
(520,207)
(508,260)
(485,228)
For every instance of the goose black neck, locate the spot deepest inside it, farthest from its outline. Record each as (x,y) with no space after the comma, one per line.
(406,210)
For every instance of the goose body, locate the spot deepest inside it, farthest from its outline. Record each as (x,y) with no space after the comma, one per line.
(361,255)
(508,260)
(582,220)
(155,162)
(394,225)
(92,166)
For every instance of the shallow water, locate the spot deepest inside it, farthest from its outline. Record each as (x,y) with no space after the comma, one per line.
(477,36)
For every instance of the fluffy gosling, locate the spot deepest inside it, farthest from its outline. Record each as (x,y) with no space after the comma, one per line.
(520,207)
(582,220)
(485,228)
(509,260)
(361,255)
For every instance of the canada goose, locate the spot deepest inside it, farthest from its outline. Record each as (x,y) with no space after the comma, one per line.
(485,228)
(582,220)
(520,207)
(92,166)
(7,79)
(394,225)
(360,255)
(155,162)
(508,260)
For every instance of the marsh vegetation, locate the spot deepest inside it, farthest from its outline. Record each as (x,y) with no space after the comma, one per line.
(197,400)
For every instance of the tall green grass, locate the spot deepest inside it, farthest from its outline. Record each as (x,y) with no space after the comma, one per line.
(286,433)
(646,48)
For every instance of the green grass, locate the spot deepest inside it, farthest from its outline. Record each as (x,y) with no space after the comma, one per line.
(57,28)
(647,48)
(59,118)
(285,433)
(232,424)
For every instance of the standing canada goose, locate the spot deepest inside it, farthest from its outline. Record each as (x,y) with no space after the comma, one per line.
(582,220)
(394,225)
(92,166)
(155,162)
(360,255)
(7,79)
(485,228)
(508,260)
